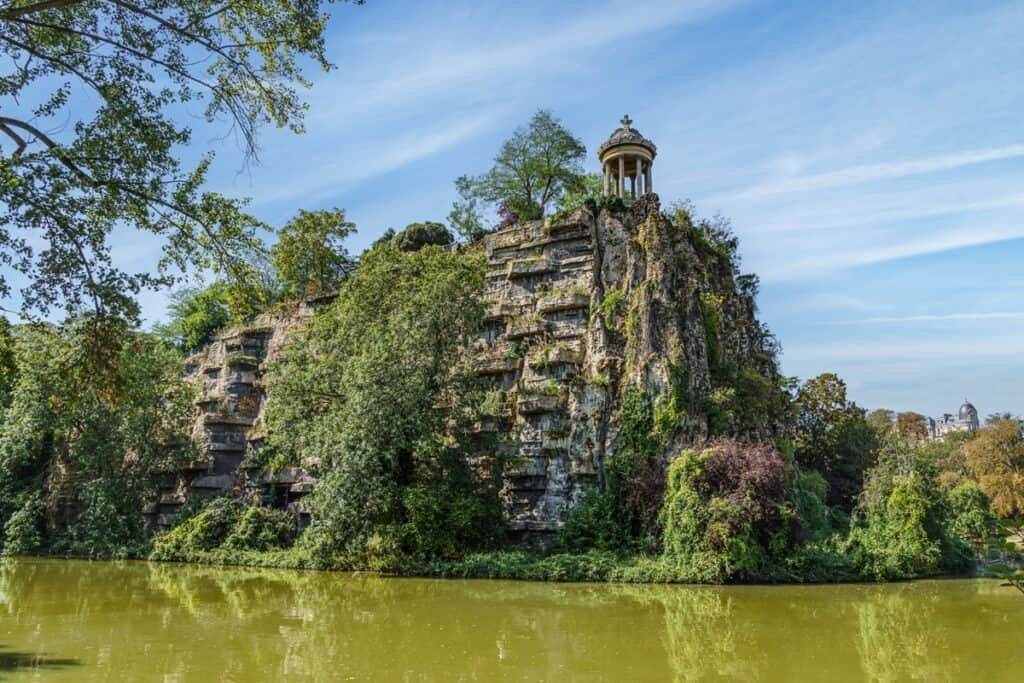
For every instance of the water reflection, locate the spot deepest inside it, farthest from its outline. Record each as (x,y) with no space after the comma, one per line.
(130,621)
(12,660)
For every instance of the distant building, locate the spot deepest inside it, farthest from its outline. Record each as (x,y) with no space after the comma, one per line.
(966,420)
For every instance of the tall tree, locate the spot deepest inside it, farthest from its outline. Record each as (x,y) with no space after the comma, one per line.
(995,456)
(377,392)
(833,436)
(309,255)
(88,143)
(534,170)
(913,427)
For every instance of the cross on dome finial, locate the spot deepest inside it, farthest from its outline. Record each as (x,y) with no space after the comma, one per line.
(626,121)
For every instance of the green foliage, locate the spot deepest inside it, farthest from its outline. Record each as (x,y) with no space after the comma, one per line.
(728,511)
(903,526)
(711,311)
(971,517)
(833,437)
(610,305)
(418,235)
(588,192)
(262,529)
(375,389)
(195,315)
(236,359)
(89,91)
(97,411)
(23,532)
(593,524)
(534,170)
(309,256)
(224,527)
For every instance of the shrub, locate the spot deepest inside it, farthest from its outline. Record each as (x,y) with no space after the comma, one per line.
(970,517)
(261,529)
(593,525)
(728,511)
(902,526)
(23,530)
(202,533)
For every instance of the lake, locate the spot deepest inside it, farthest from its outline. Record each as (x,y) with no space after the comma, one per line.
(136,621)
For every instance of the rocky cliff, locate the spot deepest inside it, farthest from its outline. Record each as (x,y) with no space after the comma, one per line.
(588,306)
(582,308)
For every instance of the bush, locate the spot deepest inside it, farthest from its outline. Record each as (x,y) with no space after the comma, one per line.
(971,519)
(903,524)
(261,529)
(728,511)
(23,530)
(202,533)
(593,525)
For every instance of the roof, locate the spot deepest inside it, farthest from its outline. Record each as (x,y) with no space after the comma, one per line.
(626,135)
(968,411)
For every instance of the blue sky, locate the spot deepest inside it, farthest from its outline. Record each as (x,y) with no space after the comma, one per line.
(870,156)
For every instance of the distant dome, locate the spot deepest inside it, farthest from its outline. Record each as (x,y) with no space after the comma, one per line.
(968,413)
(626,135)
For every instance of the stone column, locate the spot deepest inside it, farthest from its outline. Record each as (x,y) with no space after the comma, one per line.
(639,175)
(622,177)
(607,174)
(650,184)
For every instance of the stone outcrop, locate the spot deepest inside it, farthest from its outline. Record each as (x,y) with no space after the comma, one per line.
(584,307)
(580,309)
(229,428)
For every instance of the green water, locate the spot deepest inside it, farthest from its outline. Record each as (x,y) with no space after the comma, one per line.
(106,621)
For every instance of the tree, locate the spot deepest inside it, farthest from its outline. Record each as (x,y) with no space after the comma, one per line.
(882,422)
(912,427)
(309,255)
(534,170)
(729,511)
(195,313)
(88,144)
(418,235)
(995,457)
(589,189)
(377,392)
(833,437)
(86,435)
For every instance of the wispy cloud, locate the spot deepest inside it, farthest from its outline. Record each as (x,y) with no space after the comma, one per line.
(329,171)
(881,250)
(945,317)
(867,173)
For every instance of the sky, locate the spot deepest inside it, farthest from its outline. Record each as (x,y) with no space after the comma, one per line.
(870,156)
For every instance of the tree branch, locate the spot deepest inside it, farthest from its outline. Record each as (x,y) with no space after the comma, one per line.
(15,12)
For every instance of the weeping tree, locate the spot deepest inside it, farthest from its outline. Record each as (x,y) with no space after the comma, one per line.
(88,143)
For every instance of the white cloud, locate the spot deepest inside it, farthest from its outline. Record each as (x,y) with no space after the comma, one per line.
(876,248)
(952,317)
(866,173)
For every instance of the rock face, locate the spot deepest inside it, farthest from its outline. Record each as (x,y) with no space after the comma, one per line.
(581,309)
(232,399)
(586,307)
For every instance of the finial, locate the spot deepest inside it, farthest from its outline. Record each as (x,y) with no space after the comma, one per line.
(626,121)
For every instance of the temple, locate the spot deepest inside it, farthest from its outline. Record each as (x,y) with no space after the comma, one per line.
(626,158)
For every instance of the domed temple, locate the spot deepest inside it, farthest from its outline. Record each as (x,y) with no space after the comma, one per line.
(627,156)
(966,420)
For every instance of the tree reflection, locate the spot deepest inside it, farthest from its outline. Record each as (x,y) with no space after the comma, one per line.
(134,620)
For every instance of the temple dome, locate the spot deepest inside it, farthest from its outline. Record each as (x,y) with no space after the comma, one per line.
(626,158)
(626,135)
(968,413)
